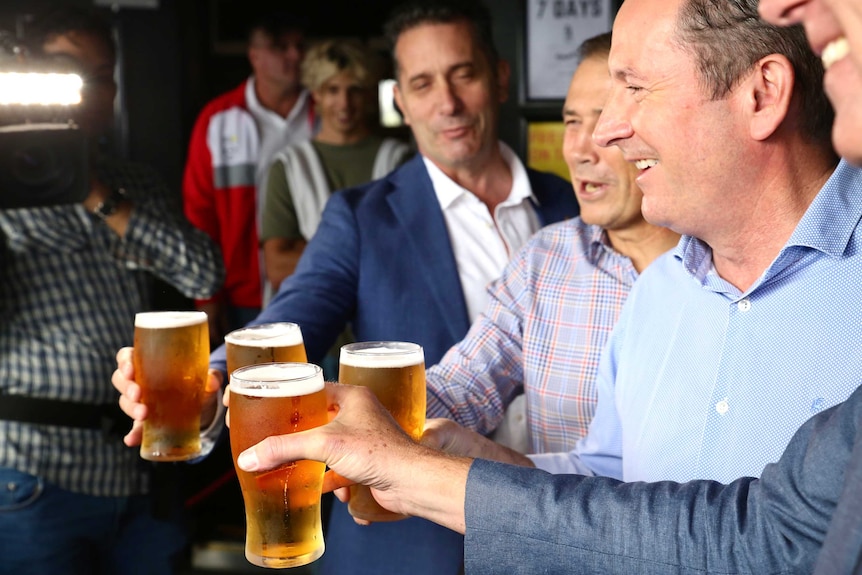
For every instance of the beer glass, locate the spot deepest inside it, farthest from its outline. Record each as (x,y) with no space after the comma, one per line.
(282,506)
(395,372)
(171,359)
(265,343)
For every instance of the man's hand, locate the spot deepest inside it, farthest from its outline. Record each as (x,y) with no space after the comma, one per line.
(448,436)
(123,380)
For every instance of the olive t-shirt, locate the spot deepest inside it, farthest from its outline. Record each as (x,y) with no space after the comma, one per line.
(344,165)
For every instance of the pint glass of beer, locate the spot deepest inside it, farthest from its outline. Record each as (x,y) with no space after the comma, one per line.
(282,506)
(395,372)
(171,359)
(265,343)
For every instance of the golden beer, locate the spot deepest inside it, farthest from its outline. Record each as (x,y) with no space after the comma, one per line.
(282,506)
(265,343)
(171,359)
(395,372)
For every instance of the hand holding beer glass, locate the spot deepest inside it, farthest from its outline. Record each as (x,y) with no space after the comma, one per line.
(395,372)
(171,358)
(282,506)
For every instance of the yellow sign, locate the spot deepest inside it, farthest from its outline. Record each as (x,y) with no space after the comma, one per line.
(545,148)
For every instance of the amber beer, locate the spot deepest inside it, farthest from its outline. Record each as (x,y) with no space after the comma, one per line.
(395,372)
(265,343)
(282,506)
(171,359)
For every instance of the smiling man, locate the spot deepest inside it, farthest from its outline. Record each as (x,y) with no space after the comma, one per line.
(343,83)
(726,120)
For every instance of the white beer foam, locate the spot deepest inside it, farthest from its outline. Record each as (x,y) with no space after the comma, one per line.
(277,380)
(169,319)
(266,335)
(383,356)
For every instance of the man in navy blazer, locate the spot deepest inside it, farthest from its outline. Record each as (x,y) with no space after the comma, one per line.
(408,257)
(386,258)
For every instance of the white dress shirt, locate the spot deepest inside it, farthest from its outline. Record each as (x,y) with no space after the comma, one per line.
(483,244)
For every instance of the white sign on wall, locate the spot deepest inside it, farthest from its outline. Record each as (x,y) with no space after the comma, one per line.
(555,29)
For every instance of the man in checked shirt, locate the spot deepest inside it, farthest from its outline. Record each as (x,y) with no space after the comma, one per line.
(556,303)
(74,498)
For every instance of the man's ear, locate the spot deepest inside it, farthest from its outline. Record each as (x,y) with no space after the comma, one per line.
(399,101)
(251,53)
(771,91)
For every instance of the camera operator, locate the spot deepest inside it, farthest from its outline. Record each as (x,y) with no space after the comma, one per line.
(74,498)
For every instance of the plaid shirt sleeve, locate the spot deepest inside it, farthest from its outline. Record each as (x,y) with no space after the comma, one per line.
(160,240)
(478,377)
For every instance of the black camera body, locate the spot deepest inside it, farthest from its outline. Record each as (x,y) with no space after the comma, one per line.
(42,165)
(43,154)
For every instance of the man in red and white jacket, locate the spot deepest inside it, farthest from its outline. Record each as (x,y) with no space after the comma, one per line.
(230,150)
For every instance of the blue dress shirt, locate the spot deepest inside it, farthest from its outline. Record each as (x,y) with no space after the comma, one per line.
(701,380)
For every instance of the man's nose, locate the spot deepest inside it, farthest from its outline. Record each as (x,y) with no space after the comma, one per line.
(613,124)
(449,101)
(580,146)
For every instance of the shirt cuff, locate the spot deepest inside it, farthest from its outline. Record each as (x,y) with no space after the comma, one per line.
(210,435)
(560,463)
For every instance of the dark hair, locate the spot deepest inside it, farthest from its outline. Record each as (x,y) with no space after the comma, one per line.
(417,12)
(66,19)
(728,37)
(597,46)
(274,24)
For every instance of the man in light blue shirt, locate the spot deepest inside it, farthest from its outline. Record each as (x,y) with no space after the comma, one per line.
(732,341)
(704,380)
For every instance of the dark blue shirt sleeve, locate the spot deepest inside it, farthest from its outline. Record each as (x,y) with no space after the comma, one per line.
(523,520)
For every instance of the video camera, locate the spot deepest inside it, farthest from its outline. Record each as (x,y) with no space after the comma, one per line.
(43,153)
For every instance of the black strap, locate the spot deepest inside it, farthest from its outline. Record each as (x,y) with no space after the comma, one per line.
(107,417)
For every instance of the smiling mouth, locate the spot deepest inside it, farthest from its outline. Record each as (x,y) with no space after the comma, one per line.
(645,164)
(834,51)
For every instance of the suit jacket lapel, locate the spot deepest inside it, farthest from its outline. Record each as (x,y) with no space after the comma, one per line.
(417,210)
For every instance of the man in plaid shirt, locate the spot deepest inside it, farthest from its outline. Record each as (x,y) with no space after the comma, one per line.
(557,301)
(73,497)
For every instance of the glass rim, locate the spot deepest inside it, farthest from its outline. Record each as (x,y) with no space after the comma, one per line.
(316,371)
(293,327)
(183,318)
(393,348)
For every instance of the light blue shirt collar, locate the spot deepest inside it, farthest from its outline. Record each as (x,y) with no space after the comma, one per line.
(827,226)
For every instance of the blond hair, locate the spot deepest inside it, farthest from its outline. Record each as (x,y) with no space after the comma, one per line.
(331,57)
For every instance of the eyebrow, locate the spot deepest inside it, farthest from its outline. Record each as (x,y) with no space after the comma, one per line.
(572,112)
(624,74)
(449,70)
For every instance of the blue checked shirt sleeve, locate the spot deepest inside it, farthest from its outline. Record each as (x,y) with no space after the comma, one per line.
(478,377)
(160,240)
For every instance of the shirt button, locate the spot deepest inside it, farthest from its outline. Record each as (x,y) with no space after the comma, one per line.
(721,407)
(744,305)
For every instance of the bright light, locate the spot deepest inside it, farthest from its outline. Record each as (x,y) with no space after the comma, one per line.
(30,89)
(389,116)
